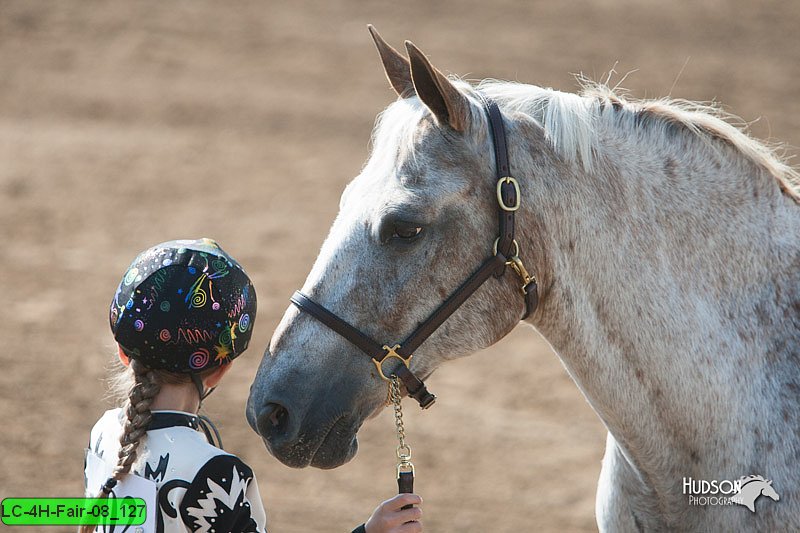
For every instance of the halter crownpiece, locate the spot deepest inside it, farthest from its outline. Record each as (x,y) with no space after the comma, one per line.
(505,253)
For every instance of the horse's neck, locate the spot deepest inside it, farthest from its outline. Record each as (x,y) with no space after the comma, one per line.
(669,277)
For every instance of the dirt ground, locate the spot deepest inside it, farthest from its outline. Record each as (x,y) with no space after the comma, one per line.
(123,124)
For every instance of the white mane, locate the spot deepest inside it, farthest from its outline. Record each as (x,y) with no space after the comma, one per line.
(571,122)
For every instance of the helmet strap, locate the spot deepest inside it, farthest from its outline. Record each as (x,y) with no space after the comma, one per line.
(201,390)
(212,435)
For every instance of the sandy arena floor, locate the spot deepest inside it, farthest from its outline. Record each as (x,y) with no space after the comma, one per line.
(127,124)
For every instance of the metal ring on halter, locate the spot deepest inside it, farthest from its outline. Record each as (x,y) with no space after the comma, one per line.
(392,353)
(516,248)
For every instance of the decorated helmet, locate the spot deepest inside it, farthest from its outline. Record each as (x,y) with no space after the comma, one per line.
(184,306)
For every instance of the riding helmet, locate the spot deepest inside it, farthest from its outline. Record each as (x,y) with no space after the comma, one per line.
(184,306)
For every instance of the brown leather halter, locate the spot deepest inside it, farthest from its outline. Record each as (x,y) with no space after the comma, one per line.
(505,253)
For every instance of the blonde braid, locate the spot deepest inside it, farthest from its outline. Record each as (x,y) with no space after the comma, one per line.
(146,386)
(144,390)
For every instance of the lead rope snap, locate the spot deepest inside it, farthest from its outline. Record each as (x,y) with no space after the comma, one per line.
(405,468)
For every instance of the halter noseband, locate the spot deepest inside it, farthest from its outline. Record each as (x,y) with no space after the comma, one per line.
(505,253)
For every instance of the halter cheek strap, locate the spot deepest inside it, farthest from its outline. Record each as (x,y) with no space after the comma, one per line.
(509,199)
(508,193)
(505,253)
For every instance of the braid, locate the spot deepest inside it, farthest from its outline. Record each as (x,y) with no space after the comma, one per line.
(144,390)
(146,386)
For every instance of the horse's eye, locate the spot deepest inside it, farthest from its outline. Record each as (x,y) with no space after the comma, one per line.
(403,231)
(393,229)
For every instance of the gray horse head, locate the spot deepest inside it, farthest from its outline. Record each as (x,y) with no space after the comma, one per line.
(419,219)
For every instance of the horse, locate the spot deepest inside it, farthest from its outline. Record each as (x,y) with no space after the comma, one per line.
(665,242)
(750,488)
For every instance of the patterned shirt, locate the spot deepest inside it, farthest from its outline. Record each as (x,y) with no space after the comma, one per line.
(199,486)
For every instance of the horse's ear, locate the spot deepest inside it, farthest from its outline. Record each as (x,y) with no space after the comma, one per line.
(769,482)
(396,67)
(444,100)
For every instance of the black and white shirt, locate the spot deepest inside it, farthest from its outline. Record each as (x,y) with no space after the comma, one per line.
(199,486)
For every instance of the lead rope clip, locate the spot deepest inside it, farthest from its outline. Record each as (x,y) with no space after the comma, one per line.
(517,266)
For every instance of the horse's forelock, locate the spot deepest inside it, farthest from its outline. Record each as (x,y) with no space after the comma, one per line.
(395,130)
(400,132)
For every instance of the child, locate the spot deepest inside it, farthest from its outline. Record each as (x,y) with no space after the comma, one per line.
(183,311)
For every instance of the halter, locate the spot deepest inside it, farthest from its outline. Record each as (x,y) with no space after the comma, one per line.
(505,253)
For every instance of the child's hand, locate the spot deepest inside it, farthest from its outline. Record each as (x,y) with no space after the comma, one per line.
(388,517)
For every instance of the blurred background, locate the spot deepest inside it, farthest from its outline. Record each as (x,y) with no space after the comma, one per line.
(124,124)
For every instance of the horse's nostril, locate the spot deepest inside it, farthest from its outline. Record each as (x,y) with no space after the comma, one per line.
(277,415)
(272,420)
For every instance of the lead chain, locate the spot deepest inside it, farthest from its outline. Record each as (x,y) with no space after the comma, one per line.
(404,463)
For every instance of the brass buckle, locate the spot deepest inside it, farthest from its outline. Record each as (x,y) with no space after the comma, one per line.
(392,353)
(500,183)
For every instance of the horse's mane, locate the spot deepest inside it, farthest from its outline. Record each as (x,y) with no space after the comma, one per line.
(571,122)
